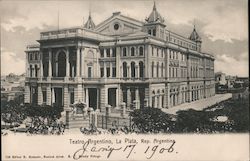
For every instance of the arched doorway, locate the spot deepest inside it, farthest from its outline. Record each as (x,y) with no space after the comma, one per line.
(61,64)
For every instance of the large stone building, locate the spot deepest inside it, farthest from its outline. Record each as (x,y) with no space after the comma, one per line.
(119,60)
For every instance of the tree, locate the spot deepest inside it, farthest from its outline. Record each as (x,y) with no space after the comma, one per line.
(12,112)
(45,111)
(151,120)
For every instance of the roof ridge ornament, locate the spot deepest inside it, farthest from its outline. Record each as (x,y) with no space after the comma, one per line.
(154,16)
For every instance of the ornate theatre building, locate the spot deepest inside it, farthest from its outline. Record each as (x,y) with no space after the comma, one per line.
(119,60)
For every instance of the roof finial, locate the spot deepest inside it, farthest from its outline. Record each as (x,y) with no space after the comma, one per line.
(194,24)
(154,8)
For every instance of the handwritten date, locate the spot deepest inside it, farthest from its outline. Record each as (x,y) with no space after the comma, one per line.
(127,150)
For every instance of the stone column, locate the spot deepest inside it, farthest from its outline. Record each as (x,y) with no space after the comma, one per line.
(78,93)
(160,101)
(156,102)
(105,70)
(103,97)
(82,62)
(123,107)
(98,99)
(78,62)
(128,71)
(110,69)
(52,96)
(27,65)
(105,53)
(27,94)
(137,96)
(147,55)
(110,51)
(66,96)
(167,64)
(118,69)
(136,71)
(39,95)
(67,62)
(41,64)
(50,63)
(128,98)
(87,97)
(48,90)
(108,110)
(117,97)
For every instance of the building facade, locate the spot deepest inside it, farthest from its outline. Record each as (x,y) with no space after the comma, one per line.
(119,60)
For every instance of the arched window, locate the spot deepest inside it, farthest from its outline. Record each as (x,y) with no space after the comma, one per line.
(36,56)
(36,71)
(154,32)
(132,69)
(152,69)
(61,57)
(157,70)
(141,66)
(124,67)
(31,71)
(124,51)
(132,51)
(141,51)
(108,52)
(149,32)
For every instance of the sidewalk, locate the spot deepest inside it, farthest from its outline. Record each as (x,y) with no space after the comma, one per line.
(200,104)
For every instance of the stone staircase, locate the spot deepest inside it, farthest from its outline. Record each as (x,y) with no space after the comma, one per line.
(78,121)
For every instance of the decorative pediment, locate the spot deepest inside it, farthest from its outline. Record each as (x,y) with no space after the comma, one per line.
(119,24)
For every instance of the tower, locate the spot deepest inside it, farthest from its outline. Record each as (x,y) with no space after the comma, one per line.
(196,38)
(154,24)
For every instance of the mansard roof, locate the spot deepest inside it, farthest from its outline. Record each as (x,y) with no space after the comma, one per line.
(90,23)
(195,36)
(155,16)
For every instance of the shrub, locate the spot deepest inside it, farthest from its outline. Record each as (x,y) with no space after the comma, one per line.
(151,120)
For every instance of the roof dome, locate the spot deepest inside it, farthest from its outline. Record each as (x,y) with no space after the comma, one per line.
(89,24)
(155,16)
(195,36)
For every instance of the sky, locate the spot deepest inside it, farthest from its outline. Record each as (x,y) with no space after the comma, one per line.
(222,25)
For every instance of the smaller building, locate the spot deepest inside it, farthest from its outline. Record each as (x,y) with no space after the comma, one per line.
(220,78)
(230,81)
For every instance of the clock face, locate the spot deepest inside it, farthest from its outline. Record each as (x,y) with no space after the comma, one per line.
(116,26)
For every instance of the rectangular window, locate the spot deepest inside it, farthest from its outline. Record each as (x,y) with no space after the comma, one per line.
(102,71)
(113,52)
(102,53)
(89,72)
(108,71)
(44,96)
(114,72)
(170,69)
(108,52)
(72,97)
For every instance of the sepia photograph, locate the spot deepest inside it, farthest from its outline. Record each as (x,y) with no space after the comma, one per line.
(127,80)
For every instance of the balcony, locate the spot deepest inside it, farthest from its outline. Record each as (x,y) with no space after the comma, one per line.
(73,32)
